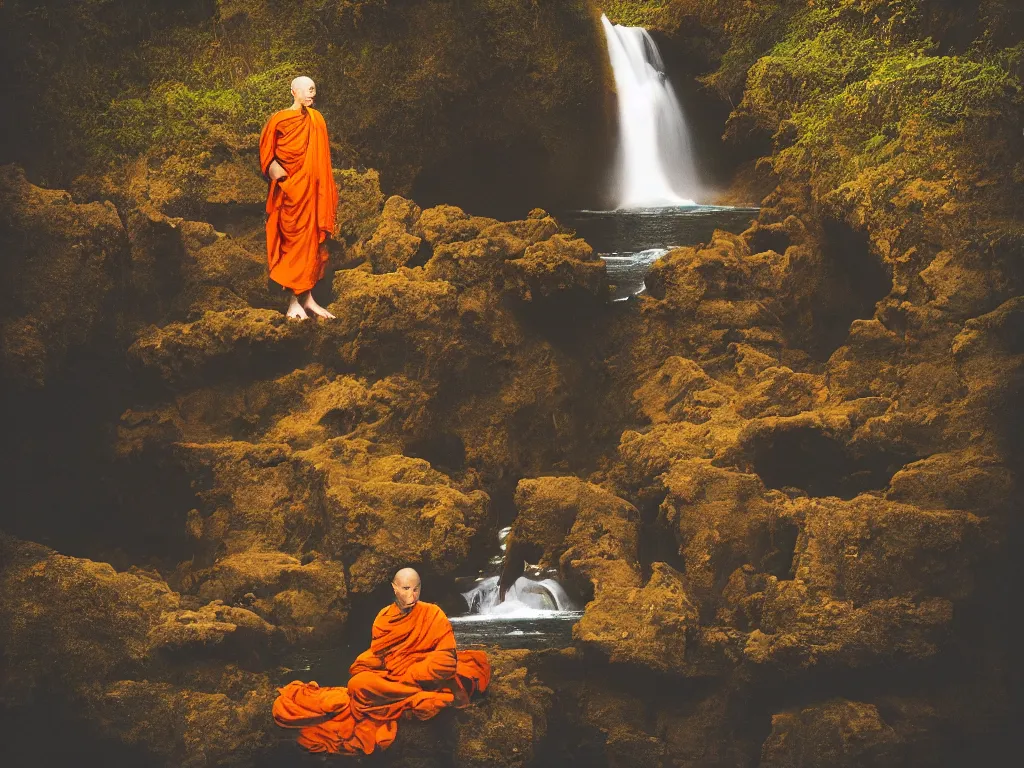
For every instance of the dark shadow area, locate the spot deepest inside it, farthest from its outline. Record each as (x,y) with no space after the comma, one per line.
(65,487)
(807,459)
(444,450)
(779,547)
(854,281)
(423,254)
(341,421)
(53,732)
(507,180)
(657,542)
(769,238)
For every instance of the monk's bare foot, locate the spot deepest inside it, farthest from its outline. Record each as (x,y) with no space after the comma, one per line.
(311,306)
(295,310)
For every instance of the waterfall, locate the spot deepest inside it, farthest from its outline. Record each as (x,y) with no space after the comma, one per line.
(535,597)
(526,597)
(655,162)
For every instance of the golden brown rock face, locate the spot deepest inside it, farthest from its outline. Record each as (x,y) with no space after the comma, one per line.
(64,265)
(764,517)
(784,480)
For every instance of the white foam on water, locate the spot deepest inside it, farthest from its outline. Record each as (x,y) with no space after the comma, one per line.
(525,598)
(516,613)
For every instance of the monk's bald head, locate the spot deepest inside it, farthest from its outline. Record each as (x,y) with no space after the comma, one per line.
(407,589)
(303,91)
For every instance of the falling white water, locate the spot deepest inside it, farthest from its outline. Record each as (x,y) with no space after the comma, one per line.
(526,598)
(655,163)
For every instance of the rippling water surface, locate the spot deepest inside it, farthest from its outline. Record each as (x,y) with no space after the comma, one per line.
(631,240)
(526,629)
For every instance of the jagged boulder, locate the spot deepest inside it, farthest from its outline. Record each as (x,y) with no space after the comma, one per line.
(505,729)
(374,513)
(182,352)
(360,202)
(66,267)
(393,243)
(557,268)
(278,587)
(841,732)
(391,321)
(71,621)
(180,726)
(135,663)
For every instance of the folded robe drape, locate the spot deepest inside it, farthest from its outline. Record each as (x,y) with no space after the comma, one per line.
(412,669)
(301,208)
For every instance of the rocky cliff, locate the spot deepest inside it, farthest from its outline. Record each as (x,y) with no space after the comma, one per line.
(785,479)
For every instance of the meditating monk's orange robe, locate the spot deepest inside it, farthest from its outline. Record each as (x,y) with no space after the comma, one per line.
(301,207)
(412,669)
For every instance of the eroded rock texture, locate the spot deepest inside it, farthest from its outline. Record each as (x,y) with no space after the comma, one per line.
(784,480)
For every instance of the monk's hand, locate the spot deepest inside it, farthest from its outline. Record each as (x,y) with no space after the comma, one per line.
(276,171)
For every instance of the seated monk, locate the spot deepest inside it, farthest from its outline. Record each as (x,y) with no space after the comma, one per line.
(412,669)
(302,200)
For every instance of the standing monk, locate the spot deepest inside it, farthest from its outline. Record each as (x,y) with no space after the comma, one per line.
(412,669)
(302,199)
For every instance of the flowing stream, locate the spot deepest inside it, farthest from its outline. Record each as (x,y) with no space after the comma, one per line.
(537,612)
(630,241)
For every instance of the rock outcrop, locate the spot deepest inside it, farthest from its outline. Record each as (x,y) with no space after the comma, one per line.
(65,268)
(146,666)
(783,481)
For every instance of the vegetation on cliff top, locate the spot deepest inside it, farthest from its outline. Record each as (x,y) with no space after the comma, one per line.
(189,86)
(901,117)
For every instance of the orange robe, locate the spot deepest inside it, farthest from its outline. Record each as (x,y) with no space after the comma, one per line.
(412,669)
(300,208)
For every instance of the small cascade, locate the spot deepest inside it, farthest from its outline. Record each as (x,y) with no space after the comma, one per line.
(655,164)
(537,612)
(526,597)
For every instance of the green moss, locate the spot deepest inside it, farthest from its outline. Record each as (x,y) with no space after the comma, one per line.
(630,13)
(731,34)
(403,85)
(842,87)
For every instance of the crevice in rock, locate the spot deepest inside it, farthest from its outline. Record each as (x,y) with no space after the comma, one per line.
(423,254)
(769,239)
(444,450)
(341,421)
(855,280)
(234,219)
(807,459)
(657,543)
(779,547)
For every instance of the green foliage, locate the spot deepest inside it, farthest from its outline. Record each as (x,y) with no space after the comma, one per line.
(879,122)
(173,118)
(631,13)
(191,89)
(740,30)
